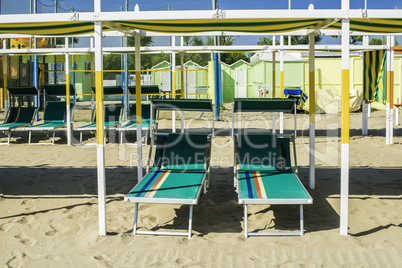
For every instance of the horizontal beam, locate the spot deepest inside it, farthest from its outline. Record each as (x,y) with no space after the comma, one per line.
(189,49)
(201,14)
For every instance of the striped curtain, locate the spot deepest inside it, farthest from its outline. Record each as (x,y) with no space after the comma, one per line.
(375,76)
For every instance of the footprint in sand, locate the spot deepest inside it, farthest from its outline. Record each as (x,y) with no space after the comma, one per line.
(24,239)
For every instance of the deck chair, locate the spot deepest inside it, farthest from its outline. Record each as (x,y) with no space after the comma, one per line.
(54,117)
(264,175)
(178,175)
(17,117)
(131,125)
(112,120)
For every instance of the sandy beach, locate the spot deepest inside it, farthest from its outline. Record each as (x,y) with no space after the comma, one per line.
(49,211)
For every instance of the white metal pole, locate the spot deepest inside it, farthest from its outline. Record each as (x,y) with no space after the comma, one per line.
(68,110)
(364,118)
(5,94)
(344,202)
(273,86)
(391,121)
(311,111)
(173,83)
(397,113)
(388,103)
(281,81)
(138,100)
(100,122)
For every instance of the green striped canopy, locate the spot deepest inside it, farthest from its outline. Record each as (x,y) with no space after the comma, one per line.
(207,25)
(197,26)
(371,25)
(375,75)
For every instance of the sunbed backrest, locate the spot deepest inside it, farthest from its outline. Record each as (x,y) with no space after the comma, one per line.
(186,152)
(20,115)
(263,152)
(112,113)
(145,112)
(55,111)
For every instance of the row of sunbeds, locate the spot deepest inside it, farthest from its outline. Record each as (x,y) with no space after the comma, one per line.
(54,118)
(263,172)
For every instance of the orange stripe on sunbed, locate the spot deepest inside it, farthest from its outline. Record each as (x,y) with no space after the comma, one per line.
(155,187)
(259,186)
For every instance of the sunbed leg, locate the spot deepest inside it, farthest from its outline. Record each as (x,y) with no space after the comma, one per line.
(54,132)
(245,221)
(190,221)
(121,137)
(135,219)
(29,137)
(301,221)
(80,138)
(9,136)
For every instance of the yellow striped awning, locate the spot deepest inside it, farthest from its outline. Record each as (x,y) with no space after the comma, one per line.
(196,26)
(372,25)
(208,25)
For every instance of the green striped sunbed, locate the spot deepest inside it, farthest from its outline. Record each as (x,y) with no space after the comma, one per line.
(112,120)
(264,175)
(17,117)
(54,117)
(178,175)
(269,105)
(146,119)
(201,105)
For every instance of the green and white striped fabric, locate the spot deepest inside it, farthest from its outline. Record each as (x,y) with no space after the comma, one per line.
(375,76)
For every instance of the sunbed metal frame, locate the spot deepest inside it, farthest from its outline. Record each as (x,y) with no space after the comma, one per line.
(177,201)
(180,105)
(92,126)
(131,125)
(262,105)
(42,127)
(9,129)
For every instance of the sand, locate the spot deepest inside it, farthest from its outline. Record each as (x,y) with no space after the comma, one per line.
(49,211)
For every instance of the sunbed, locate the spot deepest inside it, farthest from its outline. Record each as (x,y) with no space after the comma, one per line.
(17,117)
(271,105)
(112,120)
(147,90)
(54,117)
(110,93)
(264,175)
(202,105)
(131,124)
(178,175)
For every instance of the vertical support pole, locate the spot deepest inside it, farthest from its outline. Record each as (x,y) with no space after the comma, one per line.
(182,75)
(245,221)
(5,95)
(364,118)
(388,102)
(281,82)
(273,86)
(68,110)
(92,84)
(173,82)
(138,100)
(125,88)
(273,75)
(311,111)
(36,81)
(344,206)
(391,83)
(182,68)
(100,122)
